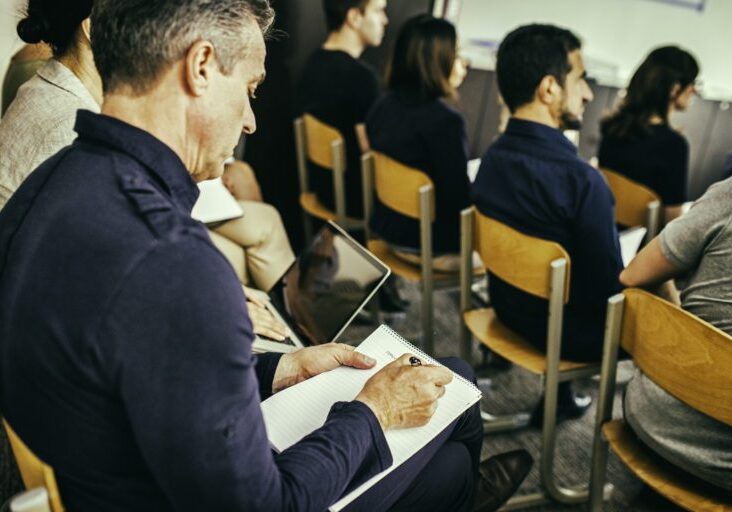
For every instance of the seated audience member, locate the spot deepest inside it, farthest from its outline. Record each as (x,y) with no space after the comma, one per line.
(694,249)
(532,179)
(638,140)
(338,89)
(41,119)
(413,124)
(137,348)
(22,67)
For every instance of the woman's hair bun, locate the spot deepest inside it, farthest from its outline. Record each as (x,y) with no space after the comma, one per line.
(33,29)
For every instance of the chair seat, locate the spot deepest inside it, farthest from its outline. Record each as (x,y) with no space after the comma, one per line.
(485,325)
(406,270)
(669,481)
(312,205)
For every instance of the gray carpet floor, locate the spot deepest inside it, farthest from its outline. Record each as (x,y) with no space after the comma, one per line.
(510,391)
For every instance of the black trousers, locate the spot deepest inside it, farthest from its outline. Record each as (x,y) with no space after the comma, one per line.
(440,477)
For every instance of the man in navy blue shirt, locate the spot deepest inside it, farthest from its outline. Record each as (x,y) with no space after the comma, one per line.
(125,344)
(532,179)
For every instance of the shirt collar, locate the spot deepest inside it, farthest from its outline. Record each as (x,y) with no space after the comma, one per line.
(532,129)
(156,156)
(62,77)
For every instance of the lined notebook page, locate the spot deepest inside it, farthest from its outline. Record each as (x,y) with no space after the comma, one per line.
(295,412)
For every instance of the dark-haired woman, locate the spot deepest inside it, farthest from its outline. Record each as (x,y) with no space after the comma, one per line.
(414,124)
(40,119)
(638,140)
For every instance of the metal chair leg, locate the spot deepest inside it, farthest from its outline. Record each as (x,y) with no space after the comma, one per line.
(495,424)
(308,227)
(428,339)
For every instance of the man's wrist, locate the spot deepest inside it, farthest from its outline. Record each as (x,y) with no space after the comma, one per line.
(380,417)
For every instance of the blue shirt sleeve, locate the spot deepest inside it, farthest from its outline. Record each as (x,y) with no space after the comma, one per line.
(265,368)
(177,349)
(597,249)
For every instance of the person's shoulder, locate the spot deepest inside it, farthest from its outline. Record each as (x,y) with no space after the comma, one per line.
(448,113)
(670,136)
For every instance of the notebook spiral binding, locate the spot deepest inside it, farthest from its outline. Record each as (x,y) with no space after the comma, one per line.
(424,357)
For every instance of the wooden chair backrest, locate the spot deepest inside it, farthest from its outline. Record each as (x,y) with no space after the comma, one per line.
(631,199)
(520,260)
(319,140)
(35,473)
(689,358)
(397,185)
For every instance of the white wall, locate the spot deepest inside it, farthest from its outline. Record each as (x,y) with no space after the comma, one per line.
(10,14)
(617,34)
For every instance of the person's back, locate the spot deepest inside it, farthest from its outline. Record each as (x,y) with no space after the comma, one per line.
(637,139)
(23,66)
(414,124)
(697,248)
(659,160)
(532,179)
(338,89)
(82,201)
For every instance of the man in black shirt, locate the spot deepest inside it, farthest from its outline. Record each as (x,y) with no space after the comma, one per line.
(339,89)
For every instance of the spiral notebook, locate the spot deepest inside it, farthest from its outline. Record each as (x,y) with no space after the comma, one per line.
(295,412)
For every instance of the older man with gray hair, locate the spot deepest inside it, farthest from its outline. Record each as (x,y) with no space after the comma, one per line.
(125,359)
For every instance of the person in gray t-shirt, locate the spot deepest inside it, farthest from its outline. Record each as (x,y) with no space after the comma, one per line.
(696,249)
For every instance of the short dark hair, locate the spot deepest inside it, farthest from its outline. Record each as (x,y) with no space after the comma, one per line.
(423,58)
(135,40)
(337,10)
(54,22)
(527,55)
(649,92)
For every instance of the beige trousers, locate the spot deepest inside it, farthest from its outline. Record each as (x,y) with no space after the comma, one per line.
(256,245)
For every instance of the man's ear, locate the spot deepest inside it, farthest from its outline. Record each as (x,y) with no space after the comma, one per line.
(200,63)
(548,90)
(86,29)
(354,18)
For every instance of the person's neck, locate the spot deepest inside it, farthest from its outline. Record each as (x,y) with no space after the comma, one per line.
(157,112)
(345,40)
(537,113)
(81,63)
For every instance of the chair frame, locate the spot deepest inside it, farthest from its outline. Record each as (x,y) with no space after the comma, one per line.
(606,398)
(338,157)
(426,218)
(551,490)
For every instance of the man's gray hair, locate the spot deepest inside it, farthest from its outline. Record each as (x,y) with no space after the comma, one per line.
(134,41)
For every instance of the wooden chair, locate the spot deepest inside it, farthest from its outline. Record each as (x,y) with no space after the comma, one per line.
(323,145)
(635,204)
(409,192)
(34,472)
(541,268)
(684,355)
